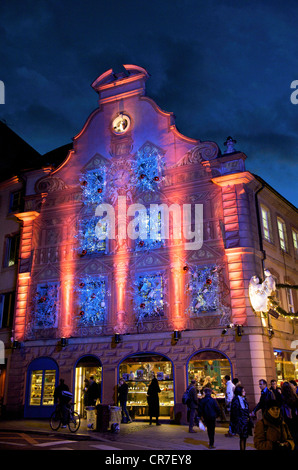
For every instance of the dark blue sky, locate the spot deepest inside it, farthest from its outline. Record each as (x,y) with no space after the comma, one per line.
(223,67)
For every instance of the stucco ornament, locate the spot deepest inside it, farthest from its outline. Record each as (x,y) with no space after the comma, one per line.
(260,293)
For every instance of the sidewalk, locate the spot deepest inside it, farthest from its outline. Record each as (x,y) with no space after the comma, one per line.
(140,433)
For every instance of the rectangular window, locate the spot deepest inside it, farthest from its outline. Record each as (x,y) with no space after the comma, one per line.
(282,233)
(16,201)
(42,387)
(149,297)
(290,300)
(6,309)
(266,223)
(45,305)
(12,250)
(295,241)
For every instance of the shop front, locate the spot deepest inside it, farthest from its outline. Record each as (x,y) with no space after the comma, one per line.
(42,378)
(209,367)
(286,367)
(138,371)
(86,367)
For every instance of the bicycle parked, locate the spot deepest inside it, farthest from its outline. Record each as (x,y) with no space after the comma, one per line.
(73,418)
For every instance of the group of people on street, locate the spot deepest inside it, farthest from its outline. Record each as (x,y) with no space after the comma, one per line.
(152,400)
(278,428)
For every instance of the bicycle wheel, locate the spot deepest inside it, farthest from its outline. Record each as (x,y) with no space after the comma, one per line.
(55,421)
(74,422)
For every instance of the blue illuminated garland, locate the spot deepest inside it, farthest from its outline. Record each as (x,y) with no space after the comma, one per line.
(149,297)
(148,167)
(89,242)
(92,300)
(203,289)
(44,306)
(93,183)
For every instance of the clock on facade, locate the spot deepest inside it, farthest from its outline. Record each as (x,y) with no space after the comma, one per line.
(121,124)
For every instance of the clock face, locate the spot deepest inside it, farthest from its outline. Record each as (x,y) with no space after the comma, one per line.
(121,124)
(121,178)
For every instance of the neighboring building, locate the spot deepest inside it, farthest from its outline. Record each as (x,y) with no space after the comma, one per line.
(87,305)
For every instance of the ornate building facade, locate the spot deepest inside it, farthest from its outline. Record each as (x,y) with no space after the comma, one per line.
(136,256)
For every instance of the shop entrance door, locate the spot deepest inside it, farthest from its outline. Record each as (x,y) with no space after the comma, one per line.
(138,371)
(86,368)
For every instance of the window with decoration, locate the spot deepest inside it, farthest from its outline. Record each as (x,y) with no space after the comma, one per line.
(149,297)
(202,288)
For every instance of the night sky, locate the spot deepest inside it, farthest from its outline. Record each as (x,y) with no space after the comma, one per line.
(222,67)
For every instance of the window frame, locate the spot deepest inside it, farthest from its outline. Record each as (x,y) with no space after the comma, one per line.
(269,238)
(283,241)
(8,250)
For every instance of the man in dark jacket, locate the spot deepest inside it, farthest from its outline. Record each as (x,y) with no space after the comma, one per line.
(93,391)
(122,398)
(266,395)
(209,411)
(62,401)
(192,404)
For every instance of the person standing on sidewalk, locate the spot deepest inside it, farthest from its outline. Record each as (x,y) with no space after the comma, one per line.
(271,432)
(240,420)
(266,396)
(209,410)
(153,400)
(122,398)
(192,405)
(229,395)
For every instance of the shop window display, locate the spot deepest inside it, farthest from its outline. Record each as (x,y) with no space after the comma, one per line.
(138,372)
(42,387)
(286,369)
(209,369)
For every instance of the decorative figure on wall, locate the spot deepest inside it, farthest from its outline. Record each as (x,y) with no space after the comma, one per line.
(260,293)
(230,145)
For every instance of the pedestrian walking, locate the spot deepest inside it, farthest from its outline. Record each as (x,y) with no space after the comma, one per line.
(241,423)
(61,400)
(208,411)
(229,395)
(122,398)
(275,391)
(153,400)
(266,396)
(271,432)
(289,409)
(192,405)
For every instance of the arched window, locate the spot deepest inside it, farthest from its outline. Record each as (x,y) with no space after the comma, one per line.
(209,367)
(138,371)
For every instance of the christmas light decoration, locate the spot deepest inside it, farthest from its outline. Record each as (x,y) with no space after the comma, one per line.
(88,231)
(93,184)
(92,300)
(149,297)
(203,289)
(152,222)
(148,167)
(44,311)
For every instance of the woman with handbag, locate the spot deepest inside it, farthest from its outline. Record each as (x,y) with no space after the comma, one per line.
(240,420)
